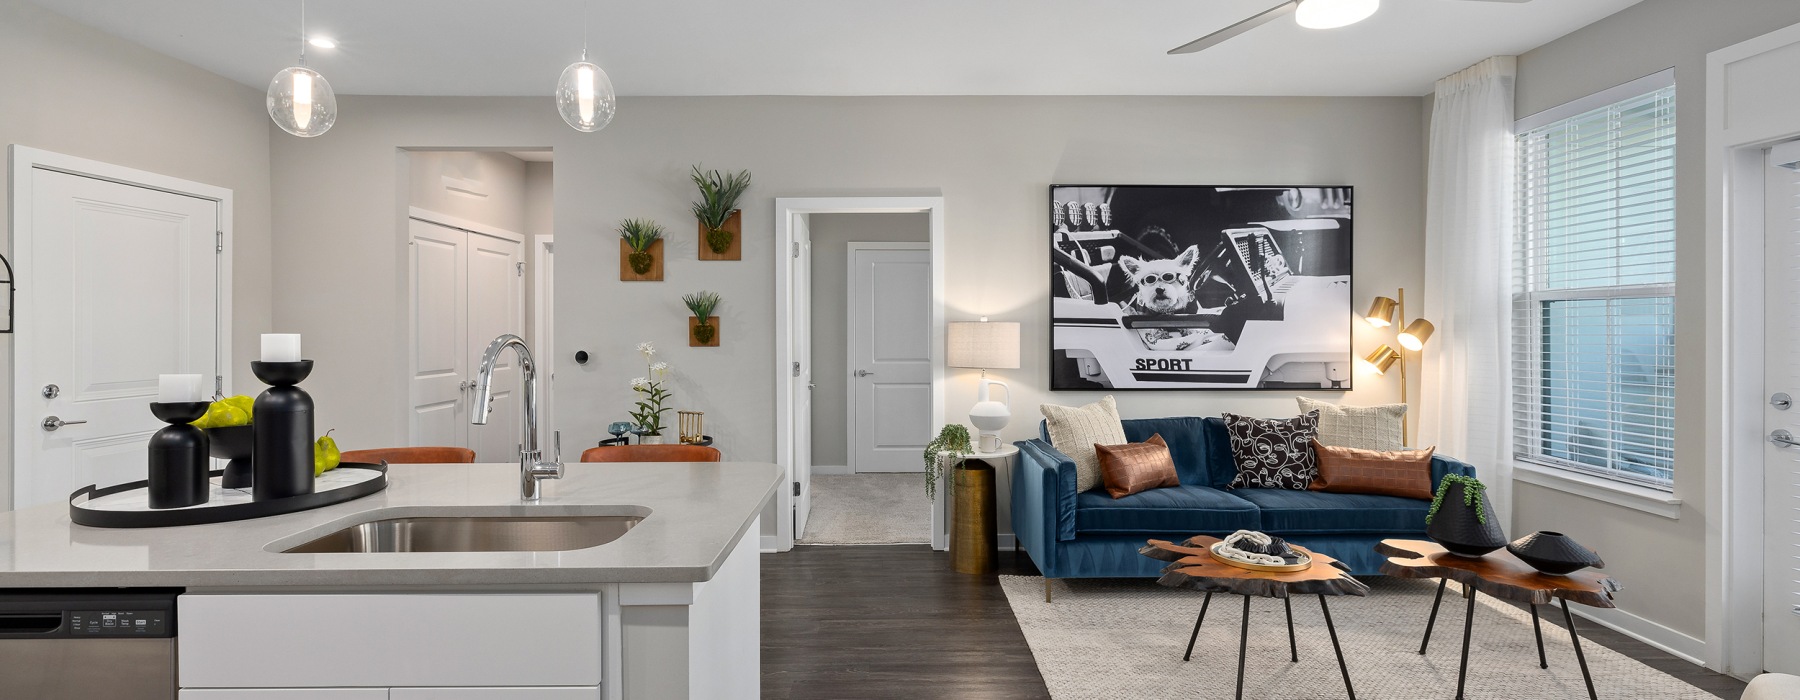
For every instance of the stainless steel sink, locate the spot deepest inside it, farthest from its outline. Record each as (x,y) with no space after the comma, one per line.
(473,534)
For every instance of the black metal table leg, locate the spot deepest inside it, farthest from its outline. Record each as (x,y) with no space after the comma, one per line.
(1574,639)
(1197,621)
(1432,621)
(1538,630)
(1293,647)
(1243,646)
(1462,674)
(1342,667)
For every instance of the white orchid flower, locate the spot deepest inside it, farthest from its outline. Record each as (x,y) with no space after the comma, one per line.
(646,349)
(640,383)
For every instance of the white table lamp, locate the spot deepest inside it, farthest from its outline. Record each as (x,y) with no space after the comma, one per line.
(986,346)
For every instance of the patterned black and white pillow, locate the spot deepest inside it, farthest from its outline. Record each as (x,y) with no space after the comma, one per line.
(1273,453)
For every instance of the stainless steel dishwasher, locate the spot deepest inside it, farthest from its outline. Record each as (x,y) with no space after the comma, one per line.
(85,643)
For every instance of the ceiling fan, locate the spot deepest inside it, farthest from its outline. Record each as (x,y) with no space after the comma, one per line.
(1312,14)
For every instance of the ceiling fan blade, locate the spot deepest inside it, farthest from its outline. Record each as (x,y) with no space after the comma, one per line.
(1511,1)
(1218,37)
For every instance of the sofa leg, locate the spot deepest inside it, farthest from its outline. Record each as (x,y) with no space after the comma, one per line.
(1046,589)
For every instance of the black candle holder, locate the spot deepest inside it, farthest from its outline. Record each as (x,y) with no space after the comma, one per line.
(178,467)
(282,454)
(236,444)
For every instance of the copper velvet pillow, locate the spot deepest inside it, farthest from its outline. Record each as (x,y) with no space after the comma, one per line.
(1138,466)
(1405,473)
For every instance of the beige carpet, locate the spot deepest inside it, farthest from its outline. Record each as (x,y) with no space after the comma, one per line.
(868,509)
(1112,638)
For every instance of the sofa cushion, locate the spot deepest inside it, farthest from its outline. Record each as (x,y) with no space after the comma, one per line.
(1273,452)
(1285,512)
(1186,439)
(1177,510)
(1361,427)
(1075,430)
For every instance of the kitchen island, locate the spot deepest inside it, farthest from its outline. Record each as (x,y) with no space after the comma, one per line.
(668,609)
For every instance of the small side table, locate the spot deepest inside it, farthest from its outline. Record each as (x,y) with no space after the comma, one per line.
(1195,567)
(974,537)
(1502,575)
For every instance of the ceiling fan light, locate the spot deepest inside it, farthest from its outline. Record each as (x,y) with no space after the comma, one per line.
(1331,14)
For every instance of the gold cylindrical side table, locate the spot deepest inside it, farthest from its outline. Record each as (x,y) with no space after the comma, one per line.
(973,545)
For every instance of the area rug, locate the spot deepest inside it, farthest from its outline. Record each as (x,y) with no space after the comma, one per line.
(868,509)
(1113,638)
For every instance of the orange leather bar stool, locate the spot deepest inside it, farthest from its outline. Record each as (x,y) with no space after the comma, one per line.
(411,455)
(651,453)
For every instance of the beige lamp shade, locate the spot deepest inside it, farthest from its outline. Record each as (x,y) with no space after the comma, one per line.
(983,344)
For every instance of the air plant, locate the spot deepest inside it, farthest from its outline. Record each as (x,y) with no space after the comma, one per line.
(640,234)
(702,304)
(719,194)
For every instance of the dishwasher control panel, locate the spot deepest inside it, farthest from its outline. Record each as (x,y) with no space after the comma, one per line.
(118,623)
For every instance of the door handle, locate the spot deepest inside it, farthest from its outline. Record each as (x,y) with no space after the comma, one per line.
(864,373)
(1783,438)
(465,385)
(51,423)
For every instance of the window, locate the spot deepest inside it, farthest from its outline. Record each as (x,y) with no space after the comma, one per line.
(1594,298)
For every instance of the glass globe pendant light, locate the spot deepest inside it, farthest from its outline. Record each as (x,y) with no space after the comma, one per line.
(584,96)
(300,101)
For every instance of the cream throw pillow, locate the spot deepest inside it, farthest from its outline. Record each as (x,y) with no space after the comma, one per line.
(1361,427)
(1075,432)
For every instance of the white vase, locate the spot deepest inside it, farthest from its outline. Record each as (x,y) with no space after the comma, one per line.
(650,440)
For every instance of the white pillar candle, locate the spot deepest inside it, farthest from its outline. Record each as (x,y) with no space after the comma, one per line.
(177,388)
(281,347)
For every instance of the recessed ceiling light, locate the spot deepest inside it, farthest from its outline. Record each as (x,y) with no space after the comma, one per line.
(323,42)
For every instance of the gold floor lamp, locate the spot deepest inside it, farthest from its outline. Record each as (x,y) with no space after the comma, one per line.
(1390,312)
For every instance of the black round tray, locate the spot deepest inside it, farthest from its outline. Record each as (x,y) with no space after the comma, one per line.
(213,511)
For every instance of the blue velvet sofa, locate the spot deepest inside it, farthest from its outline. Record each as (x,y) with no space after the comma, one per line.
(1092,535)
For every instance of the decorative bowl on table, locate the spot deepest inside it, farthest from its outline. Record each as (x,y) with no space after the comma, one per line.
(1459,518)
(1554,553)
(1256,551)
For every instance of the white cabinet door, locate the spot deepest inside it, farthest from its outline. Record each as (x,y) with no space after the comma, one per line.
(118,284)
(890,358)
(284,694)
(496,306)
(440,363)
(592,693)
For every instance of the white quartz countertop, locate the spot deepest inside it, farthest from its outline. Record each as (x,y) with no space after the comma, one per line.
(696,515)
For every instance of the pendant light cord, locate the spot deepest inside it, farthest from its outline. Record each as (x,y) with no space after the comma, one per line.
(302,32)
(587,19)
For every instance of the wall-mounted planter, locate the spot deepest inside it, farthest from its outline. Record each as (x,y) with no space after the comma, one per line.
(735,251)
(629,274)
(707,338)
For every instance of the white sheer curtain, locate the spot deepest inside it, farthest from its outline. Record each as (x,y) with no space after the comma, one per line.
(1465,397)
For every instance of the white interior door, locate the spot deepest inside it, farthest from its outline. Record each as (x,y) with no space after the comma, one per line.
(468,288)
(1781,465)
(496,304)
(440,363)
(803,460)
(890,356)
(124,286)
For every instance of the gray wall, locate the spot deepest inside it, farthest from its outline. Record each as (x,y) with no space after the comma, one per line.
(501,177)
(74,90)
(1638,41)
(831,236)
(340,199)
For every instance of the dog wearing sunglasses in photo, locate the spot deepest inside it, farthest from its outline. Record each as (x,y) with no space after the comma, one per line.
(1160,288)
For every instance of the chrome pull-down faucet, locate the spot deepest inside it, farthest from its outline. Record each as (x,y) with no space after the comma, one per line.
(532,468)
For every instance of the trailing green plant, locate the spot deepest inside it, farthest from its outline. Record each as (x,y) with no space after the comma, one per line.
(649,408)
(719,194)
(1472,490)
(640,234)
(944,453)
(702,304)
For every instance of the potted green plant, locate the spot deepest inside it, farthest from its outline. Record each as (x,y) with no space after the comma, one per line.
(703,328)
(718,213)
(640,250)
(649,409)
(943,455)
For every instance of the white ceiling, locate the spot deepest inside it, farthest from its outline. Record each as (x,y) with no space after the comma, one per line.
(838,47)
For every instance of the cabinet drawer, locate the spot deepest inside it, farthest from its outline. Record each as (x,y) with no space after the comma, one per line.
(335,641)
(286,694)
(494,693)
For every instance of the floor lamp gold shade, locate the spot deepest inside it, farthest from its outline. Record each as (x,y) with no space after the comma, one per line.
(1390,312)
(1382,312)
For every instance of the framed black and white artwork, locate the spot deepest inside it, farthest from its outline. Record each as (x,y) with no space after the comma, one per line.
(1191,287)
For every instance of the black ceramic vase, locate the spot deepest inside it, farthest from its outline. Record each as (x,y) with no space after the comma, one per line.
(236,444)
(178,467)
(1554,553)
(282,453)
(1458,525)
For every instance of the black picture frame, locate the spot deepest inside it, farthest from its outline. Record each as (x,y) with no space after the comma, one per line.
(1263,299)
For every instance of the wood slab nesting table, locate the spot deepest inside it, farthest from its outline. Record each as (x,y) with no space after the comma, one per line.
(1193,566)
(1502,575)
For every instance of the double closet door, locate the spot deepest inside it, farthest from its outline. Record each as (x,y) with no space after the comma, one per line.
(467,288)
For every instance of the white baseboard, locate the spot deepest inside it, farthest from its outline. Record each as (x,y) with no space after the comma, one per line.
(1005,541)
(832,470)
(769,544)
(1688,648)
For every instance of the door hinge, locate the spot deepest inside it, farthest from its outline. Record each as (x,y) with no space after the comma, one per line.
(521,268)
(796,369)
(219,385)
(218,241)
(796,249)
(796,489)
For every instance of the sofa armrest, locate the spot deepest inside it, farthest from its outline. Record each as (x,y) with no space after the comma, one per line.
(1444,466)
(1043,495)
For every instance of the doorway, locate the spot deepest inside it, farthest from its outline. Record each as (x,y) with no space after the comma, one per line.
(799,368)
(1781,455)
(122,275)
(868,276)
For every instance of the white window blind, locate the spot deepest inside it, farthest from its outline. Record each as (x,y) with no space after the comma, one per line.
(1594,298)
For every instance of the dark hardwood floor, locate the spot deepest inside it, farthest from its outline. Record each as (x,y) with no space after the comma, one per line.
(896,622)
